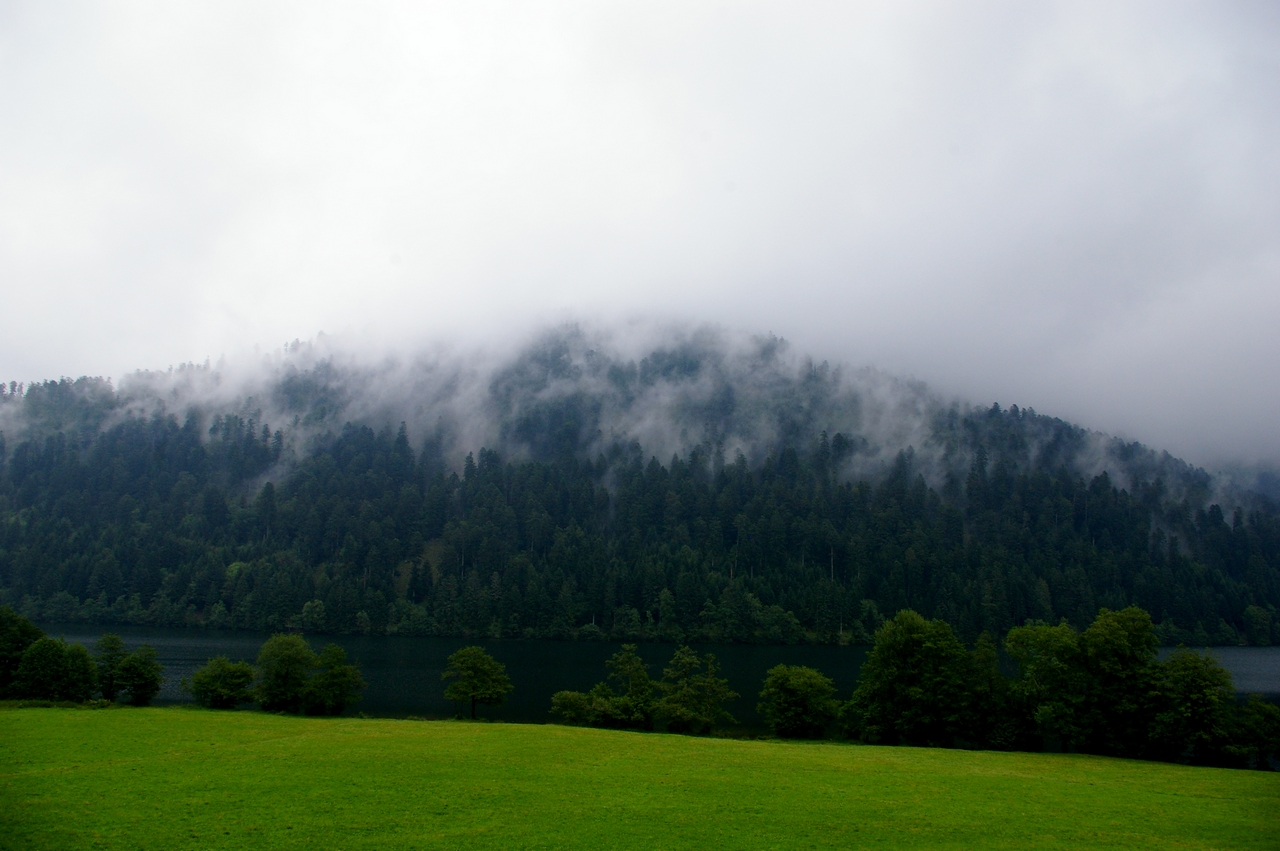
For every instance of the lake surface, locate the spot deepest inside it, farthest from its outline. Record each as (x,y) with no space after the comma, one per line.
(403,673)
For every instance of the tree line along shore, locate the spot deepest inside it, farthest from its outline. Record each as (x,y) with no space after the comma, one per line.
(1101,690)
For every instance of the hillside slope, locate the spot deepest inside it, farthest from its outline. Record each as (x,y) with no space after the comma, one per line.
(706,488)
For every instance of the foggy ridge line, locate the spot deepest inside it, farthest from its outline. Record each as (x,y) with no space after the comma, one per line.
(569,389)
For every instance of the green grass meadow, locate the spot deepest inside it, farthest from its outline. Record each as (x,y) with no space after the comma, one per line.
(173,778)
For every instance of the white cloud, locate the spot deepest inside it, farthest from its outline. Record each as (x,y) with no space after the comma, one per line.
(1071,206)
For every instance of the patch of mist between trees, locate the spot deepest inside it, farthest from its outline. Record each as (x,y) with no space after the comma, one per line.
(670,389)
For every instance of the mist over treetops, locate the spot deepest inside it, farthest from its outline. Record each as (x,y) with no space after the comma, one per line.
(682,485)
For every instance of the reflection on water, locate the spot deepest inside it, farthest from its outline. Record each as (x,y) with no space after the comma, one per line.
(404,673)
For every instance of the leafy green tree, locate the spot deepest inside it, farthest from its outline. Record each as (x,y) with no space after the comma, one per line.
(1255,734)
(51,669)
(626,701)
(693,696)
(82,674)
(284,669)
(42,673)
(140,675)
(1119,651)
(1053,683)
(16,635)
(797,702)
(335,685)
(221,683)
(109,652)
(917,686)
(477,677)
(1195,704)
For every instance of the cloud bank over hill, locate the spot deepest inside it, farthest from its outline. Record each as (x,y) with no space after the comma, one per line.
(1070,206)
(578,391)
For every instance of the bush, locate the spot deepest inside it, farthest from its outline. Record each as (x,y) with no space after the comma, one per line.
(1255,734)
(1195,702)
(797,702)
(221,684)
(82,675)
(573,707)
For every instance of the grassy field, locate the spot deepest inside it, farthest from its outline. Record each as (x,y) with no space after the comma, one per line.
(187,778)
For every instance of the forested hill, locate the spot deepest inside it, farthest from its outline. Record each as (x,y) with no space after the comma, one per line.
(707,490)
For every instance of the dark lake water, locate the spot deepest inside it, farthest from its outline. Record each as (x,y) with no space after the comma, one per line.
(403,673)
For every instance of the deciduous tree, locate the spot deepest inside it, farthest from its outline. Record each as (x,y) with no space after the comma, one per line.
(109,652)
(335,684)
(221,683)
(140,675)
(693,696)
(477,677)
(16,635)
(797,702)
(284,668)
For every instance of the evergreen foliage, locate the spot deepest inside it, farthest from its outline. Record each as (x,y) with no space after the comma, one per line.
(163,521)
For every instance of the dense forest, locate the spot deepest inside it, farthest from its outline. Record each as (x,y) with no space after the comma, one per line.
(113,514)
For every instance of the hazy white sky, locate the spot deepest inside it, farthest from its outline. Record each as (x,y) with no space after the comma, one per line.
(1072,207)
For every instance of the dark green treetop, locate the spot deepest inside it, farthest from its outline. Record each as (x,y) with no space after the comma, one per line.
(335,685)
(693,695)
(797,702)
(284,668)
(140,675)
(109,652)
(51,669)
(16,635)
(477,677)
(221,683)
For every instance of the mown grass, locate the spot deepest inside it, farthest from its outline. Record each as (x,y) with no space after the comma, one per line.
(186,778)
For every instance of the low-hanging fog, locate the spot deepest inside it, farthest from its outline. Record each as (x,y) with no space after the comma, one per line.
(1071,207)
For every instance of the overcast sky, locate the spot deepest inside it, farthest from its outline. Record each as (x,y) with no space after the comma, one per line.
(1071,207)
